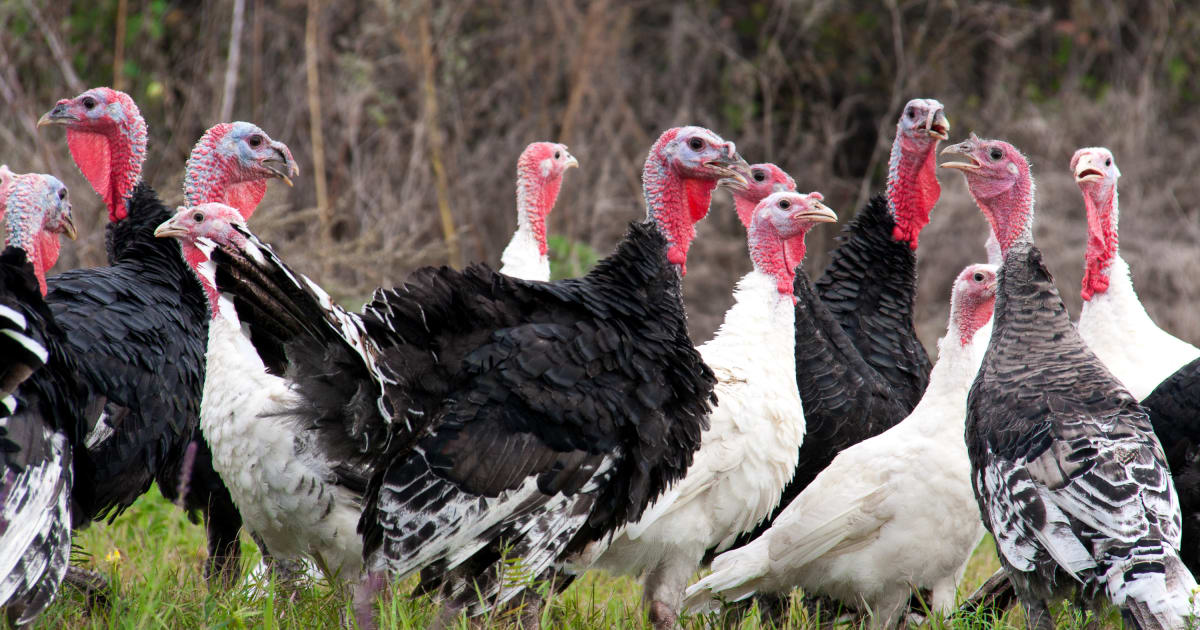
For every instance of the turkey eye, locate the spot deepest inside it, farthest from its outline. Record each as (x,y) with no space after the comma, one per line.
(255,140)
(978,277)
(1108,162)
(759,176)
(198,217)
(785,204)
(89,102)
(911,113)
(996,153)
(696,144)
(557,154)
(62,193)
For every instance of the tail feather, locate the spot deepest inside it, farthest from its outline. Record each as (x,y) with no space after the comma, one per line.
(1156,596)
(735,576)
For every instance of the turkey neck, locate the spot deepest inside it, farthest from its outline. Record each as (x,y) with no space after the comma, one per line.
(213,176)
(535,199)
(675,204)
(33,242)
(912,186)
(112,160)
(1102,210)
(1011,213)
(772,256)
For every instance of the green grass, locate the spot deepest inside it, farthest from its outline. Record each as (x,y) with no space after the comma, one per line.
(153,557)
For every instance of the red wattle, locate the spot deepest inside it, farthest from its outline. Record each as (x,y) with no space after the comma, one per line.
(972,316)
(244,196)
(699,197)
(93,156)
(913,196)
(195,258)
(1101,246)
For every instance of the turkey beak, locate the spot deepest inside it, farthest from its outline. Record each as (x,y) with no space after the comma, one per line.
(68,228)
(938,125)
(818,212)
(962,148)
(735,171)
(571,162)
(1086,170)
(281,164)
(57,116)
(169,229)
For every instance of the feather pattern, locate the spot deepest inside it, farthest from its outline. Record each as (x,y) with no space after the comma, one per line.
(1174,408)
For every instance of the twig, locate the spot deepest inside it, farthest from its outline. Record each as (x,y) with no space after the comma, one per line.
(231,68)
(56,48)
(118,81)
(314,118)
(428,63)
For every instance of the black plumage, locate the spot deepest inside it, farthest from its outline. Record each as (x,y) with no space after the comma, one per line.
(1069,476)
(37,425)
(138,329)
(1174,408)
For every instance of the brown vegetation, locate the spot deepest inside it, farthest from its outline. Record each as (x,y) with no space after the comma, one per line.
(410,89)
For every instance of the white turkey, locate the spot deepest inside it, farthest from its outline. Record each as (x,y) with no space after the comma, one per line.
(1067,471)
(539,177)
(749,451)
(892,513)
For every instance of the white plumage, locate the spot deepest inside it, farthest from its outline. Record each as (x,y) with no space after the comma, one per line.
(890,513)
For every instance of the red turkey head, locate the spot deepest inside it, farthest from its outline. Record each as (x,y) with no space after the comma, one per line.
(972,300)
(539,177)
(999,180)
(764,179)
(231,164)
(199,229)
(1096,174)
(912,186)
(685,165)
(777,232)
(36,209)
(107,138)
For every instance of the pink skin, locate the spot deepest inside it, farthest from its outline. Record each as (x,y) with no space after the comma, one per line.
(1096,174)
(36,209)
(539,177)
(765,179)
(777,229)
(912,186)
(213,221)
(678,179)
(999,180)
(974,297)
(107,138)
(231,164)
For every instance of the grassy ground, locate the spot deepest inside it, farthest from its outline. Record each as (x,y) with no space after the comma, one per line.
(153,556)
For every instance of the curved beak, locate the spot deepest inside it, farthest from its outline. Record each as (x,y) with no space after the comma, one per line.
(281,163)
(169,228)
(68,228)
(817,212)
(938,125)
(571,162)
(1086,170)
(963,148)
(734,171)
(57,116)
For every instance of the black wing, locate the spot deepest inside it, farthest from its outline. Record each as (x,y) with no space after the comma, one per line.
(870,287)
(1174,408)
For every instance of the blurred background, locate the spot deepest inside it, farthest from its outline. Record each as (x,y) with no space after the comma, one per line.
(407,118)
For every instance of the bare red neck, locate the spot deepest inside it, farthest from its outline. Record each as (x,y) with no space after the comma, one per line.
(217,176)
(535,199)
(1102,240)
(111,159)
(912,187)
(674,202)
(196,259)
(1010,212)
(774,256)
(971,313)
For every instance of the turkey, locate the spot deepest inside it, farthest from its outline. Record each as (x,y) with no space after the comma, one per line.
(539,176)
(749,451)
(498,413)
(1113,322)
(1174,408)
(137,327)
(1066,469)
(859,365)
(892,513)
(38,407)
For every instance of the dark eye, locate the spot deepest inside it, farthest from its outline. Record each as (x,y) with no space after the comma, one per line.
(62,193)
(978,277)
(910,112)
(996,153)
(758,175)
(1108,162)
(255,140)
(557,154)
(696,144)
(89,102)
(784,204)
(198,217)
